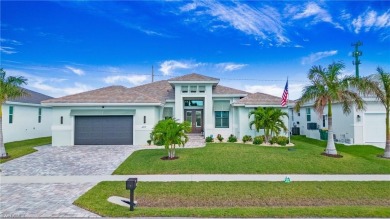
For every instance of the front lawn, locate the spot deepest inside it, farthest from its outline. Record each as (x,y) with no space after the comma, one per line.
(20,148)
(243,199)
(228,158)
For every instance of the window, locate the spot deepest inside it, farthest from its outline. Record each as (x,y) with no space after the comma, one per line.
(308,114)
(193,89)
(168,112)
(221,119)
(189,117)
(11,114)
(323,120)
(292,115)
(202,89)
(184,89)
(193,102)
(39,115)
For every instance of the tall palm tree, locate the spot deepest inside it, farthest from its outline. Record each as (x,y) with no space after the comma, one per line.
(171,133)
(328,87)
(269,119)
(383,94)
(9,89)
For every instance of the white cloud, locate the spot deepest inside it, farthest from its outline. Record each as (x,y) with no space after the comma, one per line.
(228,66)
(13,42)
(315,12)
(7,50)
(263,23)
(133,79)
(317,56)
(77,71)
(168,67)
(370,19)
(294,90)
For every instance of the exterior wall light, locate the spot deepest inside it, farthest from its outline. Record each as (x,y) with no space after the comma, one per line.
(358,118)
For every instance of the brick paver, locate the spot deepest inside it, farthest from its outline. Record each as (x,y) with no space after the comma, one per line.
(55,199)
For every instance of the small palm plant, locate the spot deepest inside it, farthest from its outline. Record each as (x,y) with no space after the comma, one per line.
(171,133)
(270,119)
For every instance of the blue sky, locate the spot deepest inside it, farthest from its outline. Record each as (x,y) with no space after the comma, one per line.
(73,46)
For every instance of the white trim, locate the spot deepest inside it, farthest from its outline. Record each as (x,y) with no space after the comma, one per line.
(25,104)
(102,104)
(229,95)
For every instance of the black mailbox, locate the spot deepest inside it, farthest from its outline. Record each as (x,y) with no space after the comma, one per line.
(131,183)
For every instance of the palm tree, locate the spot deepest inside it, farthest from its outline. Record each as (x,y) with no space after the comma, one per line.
(269,119)
(383,94)
(171,133)
(9,89)
(328,87)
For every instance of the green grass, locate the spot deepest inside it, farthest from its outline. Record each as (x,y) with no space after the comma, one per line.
(20,148)
(243,199)
(228,158)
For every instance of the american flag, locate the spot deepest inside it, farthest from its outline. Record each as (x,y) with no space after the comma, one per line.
(285,95)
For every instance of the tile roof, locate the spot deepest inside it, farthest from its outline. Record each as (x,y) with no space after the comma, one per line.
(259,99)
(219,89)
(112,94)
(193,77)
(32,97)
(160,90)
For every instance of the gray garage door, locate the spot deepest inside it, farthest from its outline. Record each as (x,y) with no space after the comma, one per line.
(103,130)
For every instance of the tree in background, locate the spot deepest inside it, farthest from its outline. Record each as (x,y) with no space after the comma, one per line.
(9,89)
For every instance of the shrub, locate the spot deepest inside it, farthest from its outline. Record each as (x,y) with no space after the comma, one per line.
(149,142)
(209,139)
(219,137)
(246,138)
(258,140)
(232,138)
(282,140)
(159,142)
(273,140)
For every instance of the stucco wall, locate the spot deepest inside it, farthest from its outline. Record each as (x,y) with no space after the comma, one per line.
(25,122)
(63,134)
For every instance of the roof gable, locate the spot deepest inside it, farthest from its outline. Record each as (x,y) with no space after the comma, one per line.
(193,77)
(259,99)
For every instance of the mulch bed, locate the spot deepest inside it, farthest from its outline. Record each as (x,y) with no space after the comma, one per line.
(167,158)
(332,155)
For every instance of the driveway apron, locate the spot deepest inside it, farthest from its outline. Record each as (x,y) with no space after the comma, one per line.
(55,200)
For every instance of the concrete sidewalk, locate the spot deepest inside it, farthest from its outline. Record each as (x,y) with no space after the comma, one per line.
(191,178)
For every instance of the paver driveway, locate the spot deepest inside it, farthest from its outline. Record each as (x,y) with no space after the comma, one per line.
(55,200)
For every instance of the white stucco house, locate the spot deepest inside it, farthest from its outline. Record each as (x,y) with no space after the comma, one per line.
(358,127)
(119,115)
(25,117)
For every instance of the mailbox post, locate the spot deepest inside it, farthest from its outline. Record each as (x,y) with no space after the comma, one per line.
(131,184)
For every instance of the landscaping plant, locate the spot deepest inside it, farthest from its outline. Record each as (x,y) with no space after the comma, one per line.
(171,133)
(328,86)
(269,119)
(258,139)
(246,138)
(9,89)
(219,137)
(209,139)
(232,138)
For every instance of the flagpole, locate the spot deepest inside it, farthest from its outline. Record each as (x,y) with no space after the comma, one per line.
(288,113)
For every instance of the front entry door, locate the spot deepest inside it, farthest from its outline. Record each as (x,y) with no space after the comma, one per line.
(195,117)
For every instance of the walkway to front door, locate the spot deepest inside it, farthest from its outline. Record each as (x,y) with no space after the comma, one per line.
(195,117)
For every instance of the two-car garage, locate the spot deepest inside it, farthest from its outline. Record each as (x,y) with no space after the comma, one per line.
(103,130)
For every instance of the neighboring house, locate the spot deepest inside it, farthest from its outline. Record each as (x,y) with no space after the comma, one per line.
(120,115)
(25,117)
(358,127)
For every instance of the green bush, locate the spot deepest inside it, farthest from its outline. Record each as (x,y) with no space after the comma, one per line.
(246,138)
(273,140)
(219,137)
(149,142)
(232,138)
(282,140)
(209,139)
(159,142)
(258,140)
